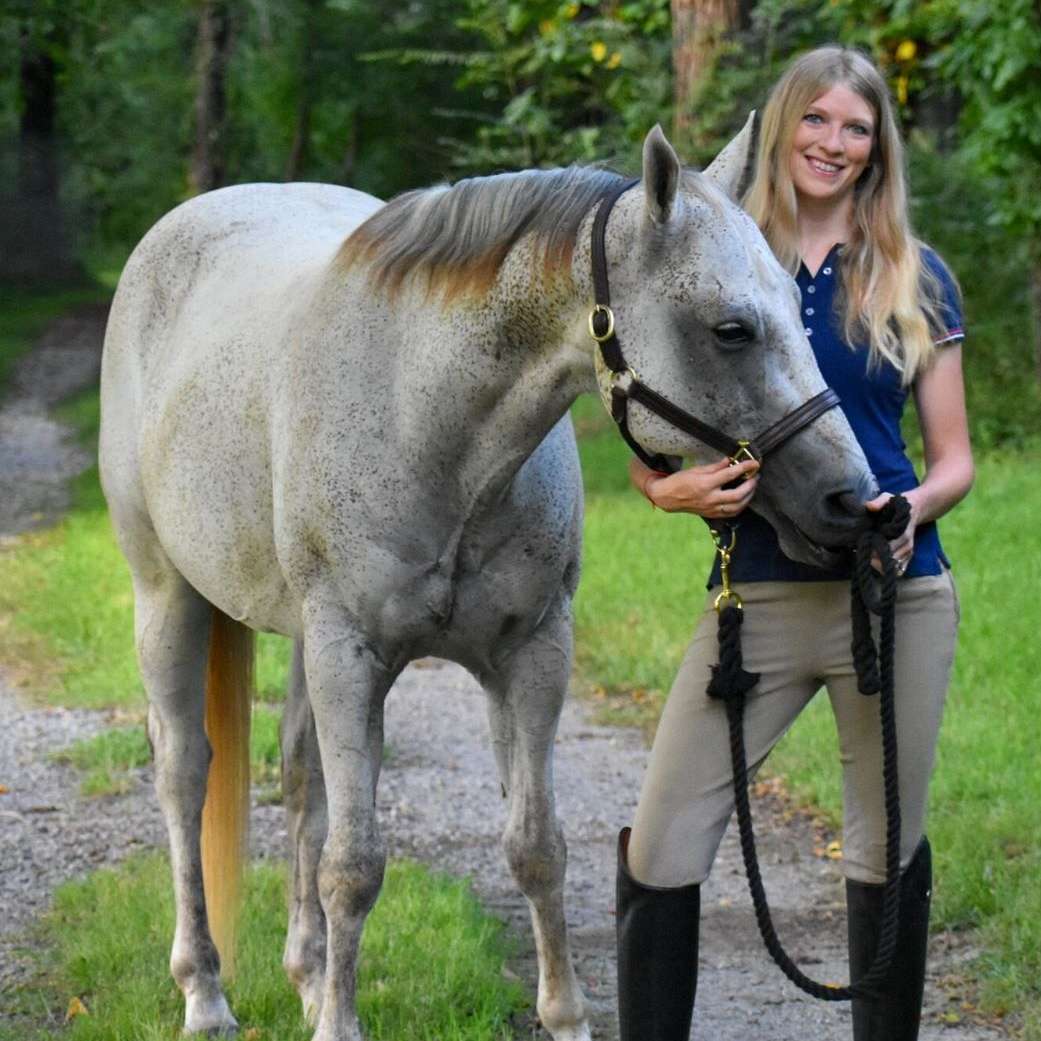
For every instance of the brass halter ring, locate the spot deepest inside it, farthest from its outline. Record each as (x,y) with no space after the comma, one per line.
(601,309)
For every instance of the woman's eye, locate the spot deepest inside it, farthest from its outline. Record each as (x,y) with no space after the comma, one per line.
(812,117)
(860,130)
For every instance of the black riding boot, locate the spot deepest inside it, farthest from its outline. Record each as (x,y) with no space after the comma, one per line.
(657,956)
(895,1012)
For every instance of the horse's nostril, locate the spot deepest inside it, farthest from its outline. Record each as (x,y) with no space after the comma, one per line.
(848,502)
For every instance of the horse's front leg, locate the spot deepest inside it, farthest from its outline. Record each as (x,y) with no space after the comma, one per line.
(303,793)
(347,686)
(525,698)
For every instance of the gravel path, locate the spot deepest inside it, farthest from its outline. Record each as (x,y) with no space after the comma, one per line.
(439,801)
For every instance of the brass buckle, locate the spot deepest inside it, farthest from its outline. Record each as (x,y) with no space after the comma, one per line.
(727,594)
(601,309)
(742,454)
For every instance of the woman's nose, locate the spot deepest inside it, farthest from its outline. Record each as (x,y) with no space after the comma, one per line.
(832,141)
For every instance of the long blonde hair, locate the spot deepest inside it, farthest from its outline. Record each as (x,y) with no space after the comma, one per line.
(891,297)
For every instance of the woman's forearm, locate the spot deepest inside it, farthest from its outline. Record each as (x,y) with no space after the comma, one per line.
(945,484)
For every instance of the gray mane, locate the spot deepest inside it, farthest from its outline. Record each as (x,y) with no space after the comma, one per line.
(459,236)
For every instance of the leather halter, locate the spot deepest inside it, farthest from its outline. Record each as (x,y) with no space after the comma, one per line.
(626,385)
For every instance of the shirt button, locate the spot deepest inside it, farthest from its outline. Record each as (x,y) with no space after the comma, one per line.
(811,289)
(827,271)
(809,331)
(809,310)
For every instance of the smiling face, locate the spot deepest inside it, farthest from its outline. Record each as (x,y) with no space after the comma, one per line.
(832,146)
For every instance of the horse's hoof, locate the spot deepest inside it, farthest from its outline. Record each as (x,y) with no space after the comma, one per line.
(579,1032)
(227,1030)
(212,1019)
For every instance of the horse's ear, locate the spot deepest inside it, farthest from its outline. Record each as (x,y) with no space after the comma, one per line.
(661,175)
(731,170)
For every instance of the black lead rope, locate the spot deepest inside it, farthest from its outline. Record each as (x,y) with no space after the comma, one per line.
(872,593)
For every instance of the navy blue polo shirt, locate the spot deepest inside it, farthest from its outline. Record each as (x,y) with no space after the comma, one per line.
(873,399)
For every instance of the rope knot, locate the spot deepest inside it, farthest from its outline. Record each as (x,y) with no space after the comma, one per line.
(729,678)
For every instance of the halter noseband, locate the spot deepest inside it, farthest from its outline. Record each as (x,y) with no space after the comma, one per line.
(626,385)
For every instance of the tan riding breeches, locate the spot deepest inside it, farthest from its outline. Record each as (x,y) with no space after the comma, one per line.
(796,635)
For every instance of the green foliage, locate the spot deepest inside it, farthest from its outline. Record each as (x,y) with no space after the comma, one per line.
(125,114)
(989,55)
(127,91)
(431,965)
(571,81)
(956,210)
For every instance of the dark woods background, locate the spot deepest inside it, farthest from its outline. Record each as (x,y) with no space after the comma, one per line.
(113,111)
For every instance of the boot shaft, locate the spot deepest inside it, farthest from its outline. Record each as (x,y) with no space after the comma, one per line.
(895,1012)
(657,956)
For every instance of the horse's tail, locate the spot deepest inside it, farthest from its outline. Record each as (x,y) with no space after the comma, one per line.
(225,816)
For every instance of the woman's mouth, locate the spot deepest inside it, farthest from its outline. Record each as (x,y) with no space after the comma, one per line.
(825,169)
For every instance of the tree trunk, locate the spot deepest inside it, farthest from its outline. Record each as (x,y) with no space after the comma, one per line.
(34,240)
(212,54)
(699,28)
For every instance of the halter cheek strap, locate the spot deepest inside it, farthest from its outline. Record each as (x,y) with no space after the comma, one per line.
(626,386)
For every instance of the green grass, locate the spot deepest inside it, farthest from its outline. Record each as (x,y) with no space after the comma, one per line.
(106,759)
(643,586)
(431,969)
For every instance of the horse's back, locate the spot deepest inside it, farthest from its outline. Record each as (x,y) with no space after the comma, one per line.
(205,307)
(253,244)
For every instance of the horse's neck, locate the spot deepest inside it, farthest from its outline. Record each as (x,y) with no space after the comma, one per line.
(503,377)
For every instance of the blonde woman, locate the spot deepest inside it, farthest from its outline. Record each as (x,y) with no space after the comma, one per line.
(883,316)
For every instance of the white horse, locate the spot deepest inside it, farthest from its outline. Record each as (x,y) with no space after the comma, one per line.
(345,421)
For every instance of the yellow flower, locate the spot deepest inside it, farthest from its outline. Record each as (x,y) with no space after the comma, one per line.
(901,89)
(615,60)
(907,50)
(571,10)
(599,50)
(546,26)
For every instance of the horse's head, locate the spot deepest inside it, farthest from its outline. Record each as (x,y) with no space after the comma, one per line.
(707,317)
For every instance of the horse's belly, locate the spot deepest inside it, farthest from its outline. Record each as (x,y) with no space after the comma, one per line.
(206,475)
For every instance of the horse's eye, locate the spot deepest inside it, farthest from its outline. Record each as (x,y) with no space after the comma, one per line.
(733,334)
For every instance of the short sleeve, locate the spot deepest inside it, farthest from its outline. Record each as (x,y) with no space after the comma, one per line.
(950,325)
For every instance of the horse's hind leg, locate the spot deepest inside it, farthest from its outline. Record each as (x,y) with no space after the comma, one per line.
(303,793)
(346,685)
(525,698)
(172,624)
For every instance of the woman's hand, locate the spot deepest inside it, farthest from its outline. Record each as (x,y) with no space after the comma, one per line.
(901,547)
(698,489)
